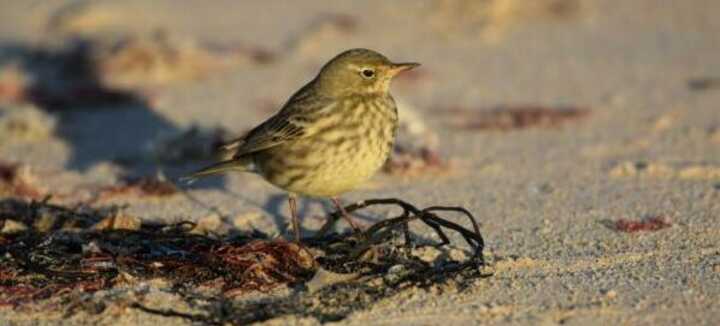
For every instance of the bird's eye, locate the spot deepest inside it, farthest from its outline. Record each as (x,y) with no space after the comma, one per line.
(367,73)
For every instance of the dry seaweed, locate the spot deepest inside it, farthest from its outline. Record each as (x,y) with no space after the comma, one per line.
(59,263)
(510,118)
(648,224)
(138,187)
(262,265)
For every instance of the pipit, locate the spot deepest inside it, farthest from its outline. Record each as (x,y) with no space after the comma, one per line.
(331,136)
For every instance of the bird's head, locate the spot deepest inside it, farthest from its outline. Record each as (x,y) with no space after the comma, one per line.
(359,71)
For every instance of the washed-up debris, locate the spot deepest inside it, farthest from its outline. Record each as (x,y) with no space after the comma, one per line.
(119,221)
(155,187)
(510,118)
(98,255)
(262,265)
(42,217)
(377,264)
(654,223)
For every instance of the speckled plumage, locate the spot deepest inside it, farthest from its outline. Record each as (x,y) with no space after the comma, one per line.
(331,135)
(340,152)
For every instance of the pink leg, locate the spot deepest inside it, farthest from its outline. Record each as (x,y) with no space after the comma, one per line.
(295,220)
(345,214)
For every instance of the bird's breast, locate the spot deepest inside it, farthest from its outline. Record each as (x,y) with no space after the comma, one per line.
(343,151)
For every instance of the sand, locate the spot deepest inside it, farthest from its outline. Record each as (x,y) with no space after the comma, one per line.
(547,195)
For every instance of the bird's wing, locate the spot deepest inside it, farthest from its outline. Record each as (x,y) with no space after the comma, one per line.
(288,124)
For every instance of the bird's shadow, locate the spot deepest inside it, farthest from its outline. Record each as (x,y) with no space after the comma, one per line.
(99,123)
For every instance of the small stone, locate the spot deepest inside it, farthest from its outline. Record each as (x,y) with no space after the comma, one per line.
(541,189)
(208,224)
(427,254)
(396,269)
(665,121)
(119,222)
(457,255)
(612,294)
(395,273)
(324,278)
(13,227)
(91,248)
(435,290)
(376,282)
(125,277)
(244,220)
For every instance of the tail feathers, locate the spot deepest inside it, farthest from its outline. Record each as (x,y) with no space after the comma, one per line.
(217,168)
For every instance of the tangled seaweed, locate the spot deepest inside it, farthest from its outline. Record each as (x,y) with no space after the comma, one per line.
(37,265)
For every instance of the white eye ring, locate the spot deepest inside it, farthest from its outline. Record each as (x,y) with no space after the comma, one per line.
(367,73)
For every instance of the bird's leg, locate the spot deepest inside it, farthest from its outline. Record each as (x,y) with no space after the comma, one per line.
(345,215)
(292,201)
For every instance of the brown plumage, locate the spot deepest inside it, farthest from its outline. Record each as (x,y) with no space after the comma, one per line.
(330,137)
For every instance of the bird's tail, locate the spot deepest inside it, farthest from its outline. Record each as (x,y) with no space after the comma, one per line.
(236,164)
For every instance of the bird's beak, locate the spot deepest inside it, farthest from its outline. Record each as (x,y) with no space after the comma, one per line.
(400,67)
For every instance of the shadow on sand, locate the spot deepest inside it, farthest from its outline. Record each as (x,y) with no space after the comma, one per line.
(100,124)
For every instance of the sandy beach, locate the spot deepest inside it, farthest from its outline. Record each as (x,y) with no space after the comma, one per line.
(584,136)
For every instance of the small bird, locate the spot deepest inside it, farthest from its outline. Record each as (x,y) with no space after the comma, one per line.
(330,136)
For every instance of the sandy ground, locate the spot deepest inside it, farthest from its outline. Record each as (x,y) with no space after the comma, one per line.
(650,145)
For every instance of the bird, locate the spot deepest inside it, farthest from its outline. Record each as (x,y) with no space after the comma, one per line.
(330,137)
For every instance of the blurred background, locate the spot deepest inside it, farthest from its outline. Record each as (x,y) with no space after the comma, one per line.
(100,93)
